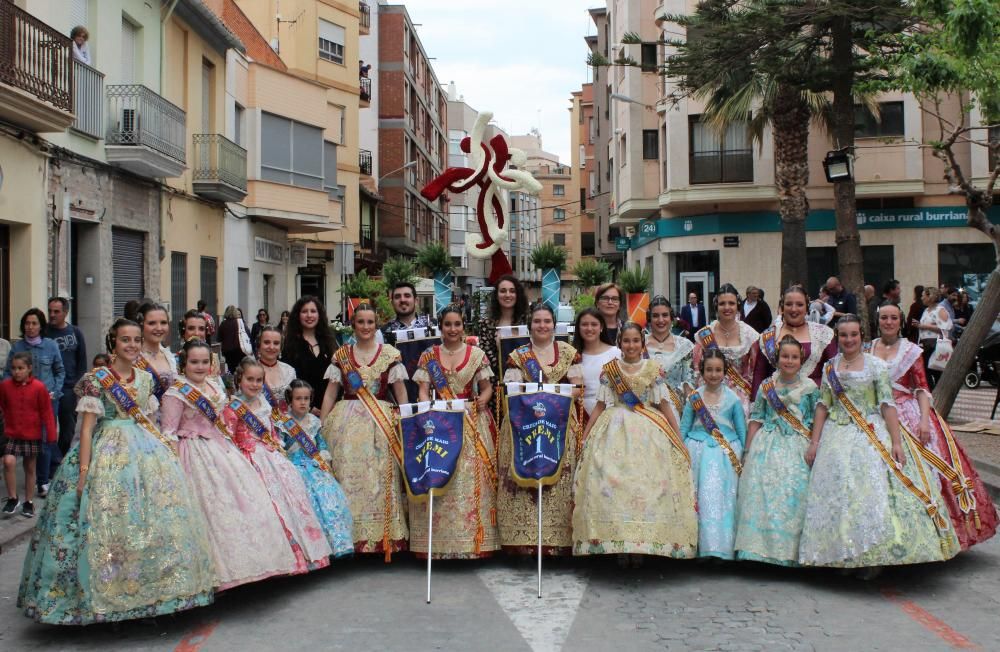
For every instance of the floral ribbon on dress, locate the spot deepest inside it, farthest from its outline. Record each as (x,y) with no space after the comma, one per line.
(295,431)
(159,387)
(708,422)
(707,340)
(260,430)
(123,398)
(923,495)
(624,390)
(771,392)
(200,402)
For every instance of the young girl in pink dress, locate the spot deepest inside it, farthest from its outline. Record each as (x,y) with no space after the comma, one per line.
(248,417)
(247,537)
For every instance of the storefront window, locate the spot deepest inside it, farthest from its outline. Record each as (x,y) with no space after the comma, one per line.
(879,266)
(966,266)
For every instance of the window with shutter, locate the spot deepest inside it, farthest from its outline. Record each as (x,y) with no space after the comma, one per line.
(128,263)
(210,284)
(331,41)
(178,286)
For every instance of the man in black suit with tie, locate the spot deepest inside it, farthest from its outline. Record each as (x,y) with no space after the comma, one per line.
(693,313)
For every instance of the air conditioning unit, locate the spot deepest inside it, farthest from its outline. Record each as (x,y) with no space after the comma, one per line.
(297,252)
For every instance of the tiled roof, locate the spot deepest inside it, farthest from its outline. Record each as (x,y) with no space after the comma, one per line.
(257,46)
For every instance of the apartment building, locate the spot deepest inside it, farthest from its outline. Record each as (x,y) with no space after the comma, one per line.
(702,206)
(366,254)
(413,137)
(606,234)
(583,167)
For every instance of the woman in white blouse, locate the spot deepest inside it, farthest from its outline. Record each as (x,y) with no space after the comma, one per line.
(592,340)
(934,324)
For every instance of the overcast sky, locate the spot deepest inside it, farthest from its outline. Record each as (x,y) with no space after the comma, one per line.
(520,59)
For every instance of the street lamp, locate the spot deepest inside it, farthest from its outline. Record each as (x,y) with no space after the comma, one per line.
(629,100)
(399,169)
(838,166)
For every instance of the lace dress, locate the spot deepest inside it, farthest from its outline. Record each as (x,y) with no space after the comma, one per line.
(821,347)
(742,358)
(678,368)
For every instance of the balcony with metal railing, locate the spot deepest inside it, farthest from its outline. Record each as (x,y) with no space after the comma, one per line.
(365,94)
(365,161)
(36,72)
(88,100)
(145,133)
(366,240)
(365,19)
(220,168)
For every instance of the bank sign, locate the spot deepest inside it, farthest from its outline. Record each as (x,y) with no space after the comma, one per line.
(822,220)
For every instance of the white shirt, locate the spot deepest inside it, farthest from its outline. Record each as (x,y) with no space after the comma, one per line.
(694,315)
(81,53)
(592,374)
(748,306)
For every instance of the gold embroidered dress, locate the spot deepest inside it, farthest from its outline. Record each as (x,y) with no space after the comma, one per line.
(633,491)
(360,452)
(465,516)
(517,507)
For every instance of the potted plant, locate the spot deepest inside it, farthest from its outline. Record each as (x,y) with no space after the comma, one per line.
(436,261)
(592,272)
(398,270)
(551,259)
(357,289)
(635,284)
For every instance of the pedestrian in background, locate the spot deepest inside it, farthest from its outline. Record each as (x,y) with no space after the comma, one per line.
(283,321)
(29,424)
(47,366)
(935,324)
(914,313)
(73,351)
(843,302)
(209,320)
(263,319)
(229,338)
(693,314)
(754,310)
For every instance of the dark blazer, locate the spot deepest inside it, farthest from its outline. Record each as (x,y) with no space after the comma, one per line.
(759,318)
(686,315)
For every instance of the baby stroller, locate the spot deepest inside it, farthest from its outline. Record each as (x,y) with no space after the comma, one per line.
(987,362)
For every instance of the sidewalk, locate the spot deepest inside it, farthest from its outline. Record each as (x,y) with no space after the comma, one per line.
(15,528)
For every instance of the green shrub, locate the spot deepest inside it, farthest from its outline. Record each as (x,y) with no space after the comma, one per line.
(399,270)
(591,272)
(549,255)
(636,280)
(434,258)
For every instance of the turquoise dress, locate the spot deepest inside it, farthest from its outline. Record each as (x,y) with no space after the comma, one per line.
(858,513)
(133,545)
(771,507)
(328,499)
(715,479)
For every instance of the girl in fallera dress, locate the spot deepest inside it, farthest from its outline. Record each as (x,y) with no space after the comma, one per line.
(278,375)
(248,539)
(591,339)
(248,418)
(360,432)
(517,507)
(195,327)
(308,451)
(121,535)
(465,516)
(714,429)
(155,357)
(970,506)
(735,339)
(633,492)
(674,354)
(771,505)
(871,501)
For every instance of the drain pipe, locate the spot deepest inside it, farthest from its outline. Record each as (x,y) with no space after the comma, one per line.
(163,200)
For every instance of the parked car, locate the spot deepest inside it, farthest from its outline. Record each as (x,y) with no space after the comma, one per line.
(565,313)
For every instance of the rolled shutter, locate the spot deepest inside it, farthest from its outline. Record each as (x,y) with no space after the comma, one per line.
(128,256)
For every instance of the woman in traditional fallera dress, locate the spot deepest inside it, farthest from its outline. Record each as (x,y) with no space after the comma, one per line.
(465,516)
(278,375)
(517,507)
(674,354)
(972,511)
(771,506)
(360,432)
(249,418)
(121,535)
(155,357)
(633,492)
(871,501)
(735,339)
(308,451)
(591,340)
(248,541)
(714,429)
(819,344)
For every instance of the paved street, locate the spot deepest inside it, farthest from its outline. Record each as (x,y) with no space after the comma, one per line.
(588,605)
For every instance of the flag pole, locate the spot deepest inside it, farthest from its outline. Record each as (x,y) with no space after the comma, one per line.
(430,544)
(539,538)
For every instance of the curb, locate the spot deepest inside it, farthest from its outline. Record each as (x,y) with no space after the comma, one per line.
(990,475)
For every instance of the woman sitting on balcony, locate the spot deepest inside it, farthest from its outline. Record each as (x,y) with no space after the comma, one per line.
(80,36)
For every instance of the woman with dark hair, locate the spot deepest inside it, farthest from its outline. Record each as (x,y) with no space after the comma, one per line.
(735,339)
(121,536)
(46,366)
(674,354)
(590,338)
(872,501)
(555,362)
(508,307)
(263,319)
(608,299)
(229,338)
(309,345)
(818,342)
(914,314)
(283,321)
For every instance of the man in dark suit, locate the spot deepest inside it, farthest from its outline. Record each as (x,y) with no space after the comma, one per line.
(754,310)
(693,313)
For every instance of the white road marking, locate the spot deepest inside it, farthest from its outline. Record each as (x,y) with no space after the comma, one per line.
(543,623)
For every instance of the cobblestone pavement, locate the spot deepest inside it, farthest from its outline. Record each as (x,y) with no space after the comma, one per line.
(974,404)
(589,604)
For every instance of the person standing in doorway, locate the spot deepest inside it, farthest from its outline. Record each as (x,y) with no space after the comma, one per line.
(73,350)
(693,313)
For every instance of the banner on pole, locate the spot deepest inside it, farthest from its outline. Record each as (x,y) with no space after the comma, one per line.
(539,420)
(412,342)
(432,444)
(511,337)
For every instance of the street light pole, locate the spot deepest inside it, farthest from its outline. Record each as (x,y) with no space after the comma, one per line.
(399,169)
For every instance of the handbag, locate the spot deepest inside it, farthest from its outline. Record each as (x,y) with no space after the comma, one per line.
(244,338)
(942,354)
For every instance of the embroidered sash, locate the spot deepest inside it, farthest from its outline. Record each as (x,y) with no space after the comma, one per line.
(869,430)
(707,340)
(624,390)
(260,430)
(353,379)
(295,431)
(677,400)
(434,369)
(769,345)
(708,422)
(771,393)
(200,402)
(123,398)
(276,416)
(158,386)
